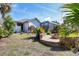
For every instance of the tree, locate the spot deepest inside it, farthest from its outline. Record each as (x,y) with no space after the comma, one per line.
(71,21)
(9,24)
(4,9)
(72,17)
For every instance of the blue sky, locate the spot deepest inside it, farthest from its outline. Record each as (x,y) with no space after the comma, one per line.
(43,11)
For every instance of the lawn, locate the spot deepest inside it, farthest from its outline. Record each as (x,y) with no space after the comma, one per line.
(73,35)
(20,45)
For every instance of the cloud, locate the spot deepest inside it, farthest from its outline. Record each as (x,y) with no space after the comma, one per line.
(14,5)
(48,19)
(46,8)
(17,10)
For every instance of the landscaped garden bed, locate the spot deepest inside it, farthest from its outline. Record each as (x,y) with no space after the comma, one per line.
(71,41)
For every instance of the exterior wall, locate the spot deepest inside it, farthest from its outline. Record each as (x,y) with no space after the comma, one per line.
(25,27)
(51,26)
(17,29)
(31,24)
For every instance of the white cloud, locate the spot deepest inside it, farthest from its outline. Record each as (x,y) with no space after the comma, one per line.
(58,19)
(14,5)
(48,9)
(48,19)
(16,9)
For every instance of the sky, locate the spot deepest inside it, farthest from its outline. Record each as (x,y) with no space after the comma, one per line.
(43,11)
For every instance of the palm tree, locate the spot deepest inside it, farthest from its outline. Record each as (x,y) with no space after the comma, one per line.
(4,9)
(72,16)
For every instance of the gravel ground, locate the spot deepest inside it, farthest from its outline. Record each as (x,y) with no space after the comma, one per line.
(16,46)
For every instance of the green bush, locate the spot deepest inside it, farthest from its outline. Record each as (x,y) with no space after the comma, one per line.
(42,29)
(63,31)
(8,27)
(49,32)
(37,30)
(3,33)
(37,34)
(9,24)
(66,37)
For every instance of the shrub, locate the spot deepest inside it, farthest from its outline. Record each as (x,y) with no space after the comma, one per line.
(3,33)
(66,41)
(39,31)
(63,31)
(8,27)
(42,30)
(9,24)
(37,34)
(49,32)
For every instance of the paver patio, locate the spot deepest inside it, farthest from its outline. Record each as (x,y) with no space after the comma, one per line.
(46,39)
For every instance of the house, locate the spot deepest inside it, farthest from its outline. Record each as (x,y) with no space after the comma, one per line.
(49,25)
(23,25)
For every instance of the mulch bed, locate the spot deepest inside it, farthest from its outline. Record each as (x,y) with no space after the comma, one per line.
(70,41)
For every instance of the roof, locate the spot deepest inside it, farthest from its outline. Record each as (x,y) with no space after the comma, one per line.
(52,22)
(27,20)
(55,22)
(36,19)
(21,21)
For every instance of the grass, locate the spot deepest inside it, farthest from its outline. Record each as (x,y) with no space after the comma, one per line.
(23,35)
(16,46)
(73,35)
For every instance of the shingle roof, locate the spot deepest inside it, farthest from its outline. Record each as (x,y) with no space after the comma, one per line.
(21,21)
(52,22)
(27,20)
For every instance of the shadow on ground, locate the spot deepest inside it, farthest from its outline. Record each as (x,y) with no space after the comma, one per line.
(32,38)
(58,48)
(55,48)
(52,48)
